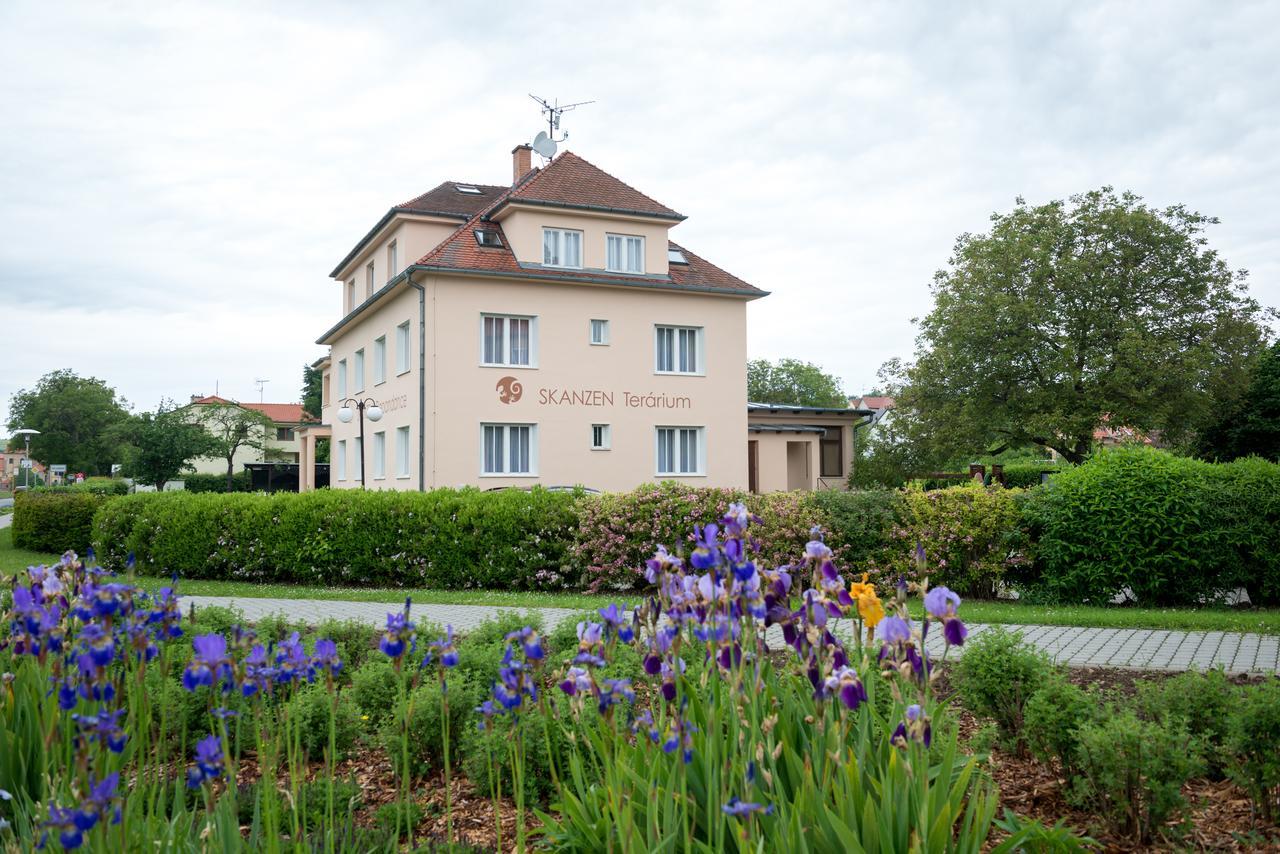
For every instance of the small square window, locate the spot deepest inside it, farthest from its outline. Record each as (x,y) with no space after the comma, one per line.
(488,238)
(467,189)
(675,256)
(600,438)
(599,332)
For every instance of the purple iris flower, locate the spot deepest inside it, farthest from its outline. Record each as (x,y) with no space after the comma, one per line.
(99,644)
(576,681)
(292,662)
(941,602)
(399,636)
(208,762)
(103,727)
(64,820)
(740,808)
(326,657)
(530,643)
(621,622)
(894,630)
(209,663)
(615,691)
(954,631)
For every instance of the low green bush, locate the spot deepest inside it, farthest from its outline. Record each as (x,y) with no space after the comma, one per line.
(426,725)
(1131,771)
(486,757)
(1202,702)
(1053,716)
(1253,746)
(996,677)
(311,709)
(861,525)
(1167,530)
(54,520)
(445,538)
(374,689)
(1025,475)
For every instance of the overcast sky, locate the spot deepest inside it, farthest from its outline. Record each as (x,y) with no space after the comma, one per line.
(177,180)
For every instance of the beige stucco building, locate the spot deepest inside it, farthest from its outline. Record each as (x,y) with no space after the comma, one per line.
(548,332)
(281,441)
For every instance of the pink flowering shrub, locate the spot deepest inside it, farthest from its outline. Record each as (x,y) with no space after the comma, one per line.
(967,534)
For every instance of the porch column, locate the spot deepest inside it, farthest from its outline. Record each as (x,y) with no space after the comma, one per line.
(306,463)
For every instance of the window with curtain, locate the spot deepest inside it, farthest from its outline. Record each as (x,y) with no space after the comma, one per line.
(402,348)
(678,349)
(561,247)
(379,359)
(507,340)
(679,450)
(624,253)
(402,452)
(379,454)
(507,448)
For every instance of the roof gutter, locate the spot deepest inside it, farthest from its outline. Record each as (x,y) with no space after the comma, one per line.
(405,276)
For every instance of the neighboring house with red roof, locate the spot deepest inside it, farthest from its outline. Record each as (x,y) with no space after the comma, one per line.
(880,405)
(546,332)
(281,441)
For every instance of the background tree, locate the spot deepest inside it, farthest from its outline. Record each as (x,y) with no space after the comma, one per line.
(791,381)
(1070,315)
(162,445)
(312,379)
(1253,425)
(78,419)
(233,428)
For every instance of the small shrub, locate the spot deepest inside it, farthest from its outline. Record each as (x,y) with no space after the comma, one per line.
(214,619)
(241,481)
(481,649)
(405,815)
(426,740)
(354,640)
(1202,701)
(311,709)
(1053,717)
(997,675)
(374,689)
(967,534)
(54,521)
(861,524)
(984,738)
(1131,771)
(487,760)
(1253,746)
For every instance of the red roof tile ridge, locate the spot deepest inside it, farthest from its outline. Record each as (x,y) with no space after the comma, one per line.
(569,157)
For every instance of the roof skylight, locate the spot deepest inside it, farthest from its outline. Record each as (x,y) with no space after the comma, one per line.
(487,238)
(675,256)
(468,189)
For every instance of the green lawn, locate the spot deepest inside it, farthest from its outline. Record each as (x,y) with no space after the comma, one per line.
(1266,621)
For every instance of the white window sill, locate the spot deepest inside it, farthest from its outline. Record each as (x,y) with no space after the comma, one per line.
(403,476)
(677,474)
(508,367)
(679,373)
(625,272)
(602,449)
(599,343)
(561,266)
(504,474)
(379,382)
(402,373)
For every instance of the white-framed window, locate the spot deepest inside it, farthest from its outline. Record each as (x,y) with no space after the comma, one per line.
(380,359)
(342,379)
(624,253)
(357,371)
(509,449)
(368,280)
(392,260)
(351,295)
(601,440)
(402,452)
(678,349)
(402,348)
(680,450)
(379,454)
(561,247)
(340,458)
(599,332)
(508,340)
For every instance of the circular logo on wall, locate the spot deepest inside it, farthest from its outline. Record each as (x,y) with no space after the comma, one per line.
(509,389)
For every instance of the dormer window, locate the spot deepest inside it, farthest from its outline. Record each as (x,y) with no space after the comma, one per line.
(488,238)
(675,256)
(468,189)
(624,253)
(561,248)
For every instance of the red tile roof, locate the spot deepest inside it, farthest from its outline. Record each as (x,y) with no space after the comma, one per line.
(281,413)
(570,181)
(872,402)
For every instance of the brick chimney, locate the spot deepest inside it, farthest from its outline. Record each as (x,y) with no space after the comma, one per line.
(521,162)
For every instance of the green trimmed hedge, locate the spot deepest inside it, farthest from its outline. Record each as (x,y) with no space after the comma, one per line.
(1170,530)
(54,520)
(445,538)
(104,486)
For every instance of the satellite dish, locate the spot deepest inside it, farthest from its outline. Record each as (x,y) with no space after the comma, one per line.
(544,145)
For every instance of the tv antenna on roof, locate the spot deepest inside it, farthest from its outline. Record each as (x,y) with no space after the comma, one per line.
(260,384)
(545,143)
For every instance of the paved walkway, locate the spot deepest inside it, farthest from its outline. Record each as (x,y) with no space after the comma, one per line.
(1148,649)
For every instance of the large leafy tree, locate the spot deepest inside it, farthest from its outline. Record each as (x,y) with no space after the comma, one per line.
(162,445)
(232,428)
(78,419)
(1253,425)
(1070,315)
(311,390)
(791,381)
